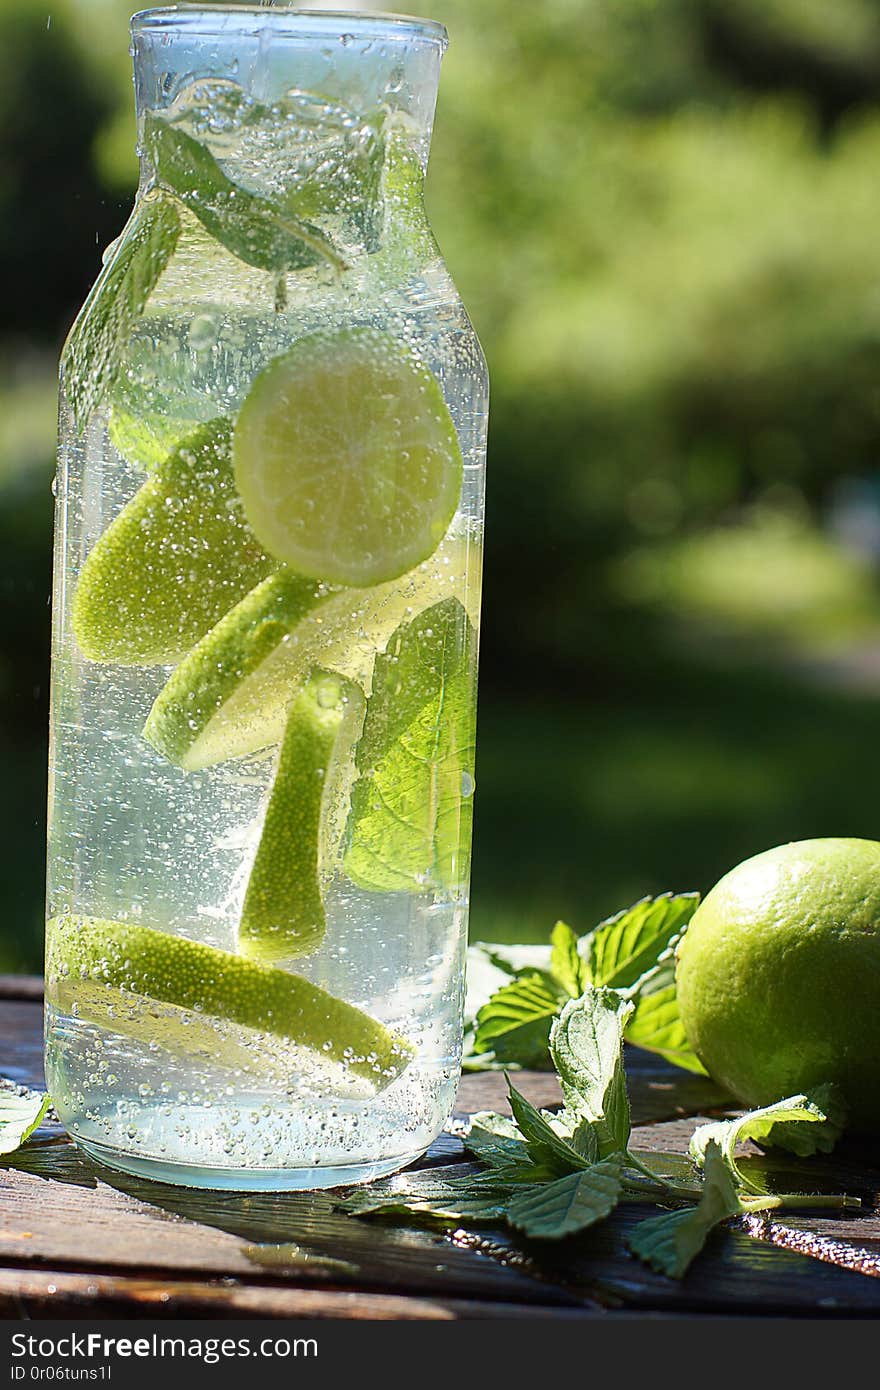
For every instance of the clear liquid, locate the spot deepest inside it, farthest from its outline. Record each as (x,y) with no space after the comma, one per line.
(134,838)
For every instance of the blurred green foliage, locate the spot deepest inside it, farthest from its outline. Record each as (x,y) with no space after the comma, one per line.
(662,215)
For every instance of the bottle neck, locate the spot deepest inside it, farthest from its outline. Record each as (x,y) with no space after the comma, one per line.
(363,68)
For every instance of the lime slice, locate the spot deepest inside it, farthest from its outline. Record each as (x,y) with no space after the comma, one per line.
(230,695)
(177,557)
(103,971)
(283,914)
(347,459)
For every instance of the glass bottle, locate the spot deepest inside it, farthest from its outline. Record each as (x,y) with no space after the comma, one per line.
(267,576)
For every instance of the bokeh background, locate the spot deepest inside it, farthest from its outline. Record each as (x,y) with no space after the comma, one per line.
(663,216)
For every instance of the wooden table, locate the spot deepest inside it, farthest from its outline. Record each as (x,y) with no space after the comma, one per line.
(79,1241)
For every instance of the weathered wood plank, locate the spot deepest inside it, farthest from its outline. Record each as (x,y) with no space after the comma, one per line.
(142,1227)
(52,1293)
(28,987)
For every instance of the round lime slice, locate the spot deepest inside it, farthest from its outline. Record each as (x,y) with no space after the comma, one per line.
(347,459)
(117,974)
(283,913)
(177,557)
(231,694)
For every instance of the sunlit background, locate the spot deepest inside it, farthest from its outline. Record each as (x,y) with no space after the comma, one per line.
(663,216)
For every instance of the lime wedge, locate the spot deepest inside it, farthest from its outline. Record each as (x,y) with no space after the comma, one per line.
(283,914)
(230,695)
(347,459)
(103,970)
(177,557)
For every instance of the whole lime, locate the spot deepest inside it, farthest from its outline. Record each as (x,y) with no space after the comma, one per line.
(778,975)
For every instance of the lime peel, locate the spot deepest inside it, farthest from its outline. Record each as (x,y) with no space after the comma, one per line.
(125,960)
(177,557)
(283,914)
(778,975)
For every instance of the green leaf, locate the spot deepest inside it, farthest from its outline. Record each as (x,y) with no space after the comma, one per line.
(21,1112)
(566,965)
(656,1023)
(319,157)
(496,1141)
(546,1144)
(436,1193)
(515,1024)
(570,1204)
(669,1243)
(805,1137)
(252,228)
(488,1127)
(409,824)
(586,1044)
(800,1124)
(95,349)
(625,947)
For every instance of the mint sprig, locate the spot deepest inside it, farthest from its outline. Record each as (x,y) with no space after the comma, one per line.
(264,234)
(551,1175)
(633,951)
(95,349)
(586,1044)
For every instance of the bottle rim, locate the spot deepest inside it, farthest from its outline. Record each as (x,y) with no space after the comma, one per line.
(289,23)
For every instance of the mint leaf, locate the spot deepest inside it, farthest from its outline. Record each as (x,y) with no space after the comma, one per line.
(545,1143)
(409,822)
(496,1141)
(656,1025)
(434,1193)
(515,1024)
(669,1243)
(489,968)
(95,348)
(454,1211)
(21,1112)
(487,1127)
(808,1136)
(317,158)
(570,1204)
(566,965)
(625,947)
(586,1044)
(252,228)
(798,1123)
